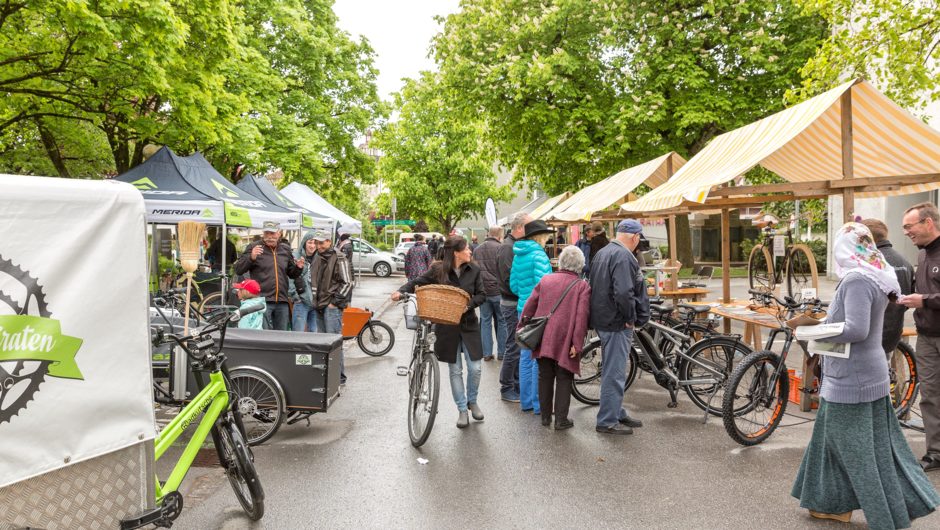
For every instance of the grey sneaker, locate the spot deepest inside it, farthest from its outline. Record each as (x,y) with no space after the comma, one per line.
(475,410)
(463,420)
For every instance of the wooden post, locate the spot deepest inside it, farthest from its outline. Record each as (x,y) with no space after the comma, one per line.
(848,158)
(673,251)
(726,261)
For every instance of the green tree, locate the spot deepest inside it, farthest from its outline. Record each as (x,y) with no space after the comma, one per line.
(894,43)
(577,90)
(435,162)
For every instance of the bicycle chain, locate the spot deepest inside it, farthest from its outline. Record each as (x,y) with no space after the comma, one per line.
(10,380)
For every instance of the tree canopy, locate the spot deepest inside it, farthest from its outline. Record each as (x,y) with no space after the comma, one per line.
(576,90)
(87,86)
(435,162)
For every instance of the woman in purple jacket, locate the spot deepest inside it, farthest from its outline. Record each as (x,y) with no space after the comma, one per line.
(559,353)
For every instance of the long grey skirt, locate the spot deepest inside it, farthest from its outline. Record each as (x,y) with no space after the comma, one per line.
(858,459)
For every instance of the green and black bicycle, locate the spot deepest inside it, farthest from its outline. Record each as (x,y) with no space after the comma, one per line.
(220,418)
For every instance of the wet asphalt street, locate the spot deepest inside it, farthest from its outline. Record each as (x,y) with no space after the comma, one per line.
(354,466)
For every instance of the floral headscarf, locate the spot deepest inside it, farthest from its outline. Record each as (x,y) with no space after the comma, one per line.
(855,252)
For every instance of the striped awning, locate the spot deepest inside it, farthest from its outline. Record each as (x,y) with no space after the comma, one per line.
(545,207)
(615,189)
(804,144)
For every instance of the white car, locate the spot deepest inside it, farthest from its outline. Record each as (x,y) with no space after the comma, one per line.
(367,258)
(403,248)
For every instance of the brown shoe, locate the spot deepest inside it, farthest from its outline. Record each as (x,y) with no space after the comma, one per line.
(488,358)
(841,517)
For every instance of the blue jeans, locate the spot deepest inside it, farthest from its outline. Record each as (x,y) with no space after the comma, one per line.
(491,315)
(509,372)
(330,320)
(528,382)
(277,316)
(304,317)
(463,396)
(616,348)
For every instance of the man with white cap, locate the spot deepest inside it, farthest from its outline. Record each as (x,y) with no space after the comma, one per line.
(271,263)
(619,304)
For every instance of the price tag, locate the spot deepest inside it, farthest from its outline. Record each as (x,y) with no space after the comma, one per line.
(808,293)
(780,246)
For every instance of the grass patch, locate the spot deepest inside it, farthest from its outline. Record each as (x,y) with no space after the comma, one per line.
(736,272)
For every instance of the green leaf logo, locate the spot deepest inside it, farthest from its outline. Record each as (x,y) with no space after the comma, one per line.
(207,213)
(32,338)
(225,190)
(144,184)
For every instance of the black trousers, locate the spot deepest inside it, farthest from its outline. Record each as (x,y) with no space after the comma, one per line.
(549,391)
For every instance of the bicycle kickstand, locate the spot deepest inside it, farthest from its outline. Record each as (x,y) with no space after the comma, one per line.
(708,404)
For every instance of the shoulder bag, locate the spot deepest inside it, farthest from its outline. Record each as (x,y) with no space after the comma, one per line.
(529,336)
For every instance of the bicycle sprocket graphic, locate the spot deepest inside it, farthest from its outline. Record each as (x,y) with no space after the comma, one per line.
(18,384)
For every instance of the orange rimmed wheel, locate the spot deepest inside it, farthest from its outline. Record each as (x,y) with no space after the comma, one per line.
(756,398)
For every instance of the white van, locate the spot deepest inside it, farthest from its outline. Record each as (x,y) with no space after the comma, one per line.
(407,237)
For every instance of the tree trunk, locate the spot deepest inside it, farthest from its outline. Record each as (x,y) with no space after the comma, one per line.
(684,241)
(52,149)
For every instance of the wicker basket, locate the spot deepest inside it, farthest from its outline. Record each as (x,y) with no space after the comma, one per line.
(441,304)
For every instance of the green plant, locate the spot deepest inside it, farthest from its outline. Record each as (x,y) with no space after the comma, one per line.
(819,248)
(168,265)
(746,246)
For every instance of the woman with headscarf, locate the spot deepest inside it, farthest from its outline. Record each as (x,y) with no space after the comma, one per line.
(559,354)
(857,457)
(529,264)
(462,342)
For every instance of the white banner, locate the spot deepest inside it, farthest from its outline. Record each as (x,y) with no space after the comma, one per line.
(172,212)
(74,331)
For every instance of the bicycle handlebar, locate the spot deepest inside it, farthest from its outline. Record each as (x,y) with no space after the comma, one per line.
(787,302)
(202,339)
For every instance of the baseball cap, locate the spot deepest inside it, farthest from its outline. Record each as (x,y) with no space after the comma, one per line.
(251,286)
(271,226)
(321,235)
(630,226)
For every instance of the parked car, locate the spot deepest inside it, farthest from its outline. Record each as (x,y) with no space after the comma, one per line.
(403,248)
(367,258)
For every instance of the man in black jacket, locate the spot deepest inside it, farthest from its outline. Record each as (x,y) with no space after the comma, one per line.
(509,372)
(619,305)
(921,223)
(894,314)
(331,280)
(271,263)
(490,313)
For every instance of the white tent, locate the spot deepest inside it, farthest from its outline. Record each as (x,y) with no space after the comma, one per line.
(308,199)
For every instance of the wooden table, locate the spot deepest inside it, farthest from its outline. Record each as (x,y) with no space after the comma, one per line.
(693,294)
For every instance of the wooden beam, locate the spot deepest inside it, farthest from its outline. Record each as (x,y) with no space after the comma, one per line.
(726,259)
(673,250)
(786,187)
(902,180)
(848,157)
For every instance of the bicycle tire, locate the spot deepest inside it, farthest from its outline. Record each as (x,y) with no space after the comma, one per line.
(238,462)
(725,359)
(370,338)
(754,398)
(801,270)
(424,389)
(586,386)
(260,401)
(210,301)
(758,263)
(904,383)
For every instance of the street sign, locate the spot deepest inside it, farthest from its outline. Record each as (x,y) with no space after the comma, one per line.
(386,222)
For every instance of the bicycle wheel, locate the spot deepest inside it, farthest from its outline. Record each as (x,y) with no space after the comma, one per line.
(754,403)
(760,269)
(902,371)
(210,301)
(238,462)
(424,387)
(586,386)
(376,338)
(720,354)
(801,270)
(260,401)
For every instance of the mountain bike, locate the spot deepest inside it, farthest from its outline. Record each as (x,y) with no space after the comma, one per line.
(797,266)
(758,390)
(220,419)
(699,367)
(424,378)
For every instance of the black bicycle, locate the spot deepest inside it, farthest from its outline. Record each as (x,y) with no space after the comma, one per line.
(424,377)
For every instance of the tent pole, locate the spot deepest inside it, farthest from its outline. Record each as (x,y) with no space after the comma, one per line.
(673,251)
(224,250)
(848,157)
(154,262)
(726,261)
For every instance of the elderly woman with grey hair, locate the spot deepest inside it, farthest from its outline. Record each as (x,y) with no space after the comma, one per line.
(559,353)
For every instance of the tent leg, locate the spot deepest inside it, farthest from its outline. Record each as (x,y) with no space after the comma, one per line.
(224,246)
(726,261)
(673,251)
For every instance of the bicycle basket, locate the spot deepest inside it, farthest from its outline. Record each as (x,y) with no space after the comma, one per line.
(441,304)
(412,320)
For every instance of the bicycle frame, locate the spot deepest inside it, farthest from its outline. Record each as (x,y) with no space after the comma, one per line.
(681,341)
(213,399)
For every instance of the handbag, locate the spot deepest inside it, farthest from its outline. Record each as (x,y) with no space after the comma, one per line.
(529,336)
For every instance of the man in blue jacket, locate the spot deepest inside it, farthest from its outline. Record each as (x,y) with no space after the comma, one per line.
(619,304)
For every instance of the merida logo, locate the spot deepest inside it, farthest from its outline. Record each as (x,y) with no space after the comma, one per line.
(207,213)
(32,344)
(144,184)
(225,190)
(175,212)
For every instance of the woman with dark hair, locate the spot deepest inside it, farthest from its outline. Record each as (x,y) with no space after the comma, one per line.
(458,343)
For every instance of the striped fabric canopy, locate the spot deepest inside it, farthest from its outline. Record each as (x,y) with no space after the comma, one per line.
(614,189)
(545,207)
(803,144)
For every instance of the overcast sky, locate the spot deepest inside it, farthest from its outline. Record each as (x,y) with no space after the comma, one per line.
(399,31)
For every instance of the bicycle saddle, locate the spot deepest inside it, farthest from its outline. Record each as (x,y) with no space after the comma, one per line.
(663,308)
(698,309)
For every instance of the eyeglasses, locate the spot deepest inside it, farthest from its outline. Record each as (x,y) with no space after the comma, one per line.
(909,226)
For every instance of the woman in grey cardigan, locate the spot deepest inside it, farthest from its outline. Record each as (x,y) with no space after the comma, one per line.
(858,457)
